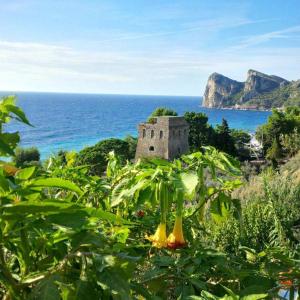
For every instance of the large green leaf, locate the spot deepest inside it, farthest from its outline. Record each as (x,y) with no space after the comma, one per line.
(190,181)
(220,207)
(85,290)
(58,183)
(32,207)
(4,184)
(99,214)
(46,289)
(132,192)
(18,112)
(25,174)
(69,218)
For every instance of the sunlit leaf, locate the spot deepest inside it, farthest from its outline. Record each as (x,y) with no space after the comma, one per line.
(18,112)
(190,181)
(25,174)
(58,183)
(220,207)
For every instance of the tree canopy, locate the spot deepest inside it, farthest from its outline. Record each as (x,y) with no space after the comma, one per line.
(200,132)
(279,123)
(96,156)
(161,111)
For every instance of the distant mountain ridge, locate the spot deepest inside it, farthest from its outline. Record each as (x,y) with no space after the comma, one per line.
(259,91)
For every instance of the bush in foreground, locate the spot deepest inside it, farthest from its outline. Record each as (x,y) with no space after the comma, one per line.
(56,242)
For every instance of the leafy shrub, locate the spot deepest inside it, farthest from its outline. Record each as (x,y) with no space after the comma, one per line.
(279,123)
(132,144)
(270,209)
(249,170)
(291,142)
(96,156)
(161,111)
(27,156)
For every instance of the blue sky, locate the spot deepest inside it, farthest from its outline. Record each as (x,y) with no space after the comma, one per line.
(154,47)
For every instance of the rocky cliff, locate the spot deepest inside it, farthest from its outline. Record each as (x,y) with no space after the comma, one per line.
(220,89)
(259,91)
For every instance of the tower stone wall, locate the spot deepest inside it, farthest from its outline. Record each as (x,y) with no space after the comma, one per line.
(166,137)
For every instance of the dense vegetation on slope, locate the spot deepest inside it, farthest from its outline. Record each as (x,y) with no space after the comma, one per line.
(280,135)
(270,210)
(150,230)
(285,96)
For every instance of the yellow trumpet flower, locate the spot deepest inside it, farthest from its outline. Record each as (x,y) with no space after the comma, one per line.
(176,238)
(159,239)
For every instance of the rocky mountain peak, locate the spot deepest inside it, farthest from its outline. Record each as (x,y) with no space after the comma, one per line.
(223,91)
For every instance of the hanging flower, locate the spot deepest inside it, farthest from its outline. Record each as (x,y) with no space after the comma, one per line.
(159,239)
(176,238)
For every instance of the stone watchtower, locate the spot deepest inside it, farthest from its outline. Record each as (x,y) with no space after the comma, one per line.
(166,137)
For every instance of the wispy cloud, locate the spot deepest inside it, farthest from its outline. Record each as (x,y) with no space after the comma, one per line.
(204,26)
(266,37)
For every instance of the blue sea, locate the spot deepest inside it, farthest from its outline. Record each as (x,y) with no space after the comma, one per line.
(73,121)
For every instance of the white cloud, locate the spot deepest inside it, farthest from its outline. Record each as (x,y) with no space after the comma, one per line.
(42,67)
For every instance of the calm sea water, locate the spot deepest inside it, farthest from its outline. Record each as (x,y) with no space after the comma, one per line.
(72,121)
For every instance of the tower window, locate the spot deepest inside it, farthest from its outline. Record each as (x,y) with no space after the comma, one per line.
(179,132)
(184,131)
(161,134)
(151,148)
(144,133)
(152,134)
(178,150)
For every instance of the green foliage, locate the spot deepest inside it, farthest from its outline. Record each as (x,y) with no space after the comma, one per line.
(274,152)
(68,234)
(224,140)
(279,124)
(8,111)
(291,142)
(161,111)
(200,132)
(96,156)
(222,137)
(132,144)
(27,156)
(241,139)
(288,95)
(270,212)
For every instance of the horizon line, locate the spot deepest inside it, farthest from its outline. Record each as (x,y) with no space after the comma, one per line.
(96,93)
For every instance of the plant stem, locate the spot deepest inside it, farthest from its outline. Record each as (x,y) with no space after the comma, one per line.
(26,250)
(10,282)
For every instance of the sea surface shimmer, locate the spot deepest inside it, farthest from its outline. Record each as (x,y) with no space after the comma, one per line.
(72,121)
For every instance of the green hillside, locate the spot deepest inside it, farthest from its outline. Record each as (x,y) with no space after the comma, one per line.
(288,95)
